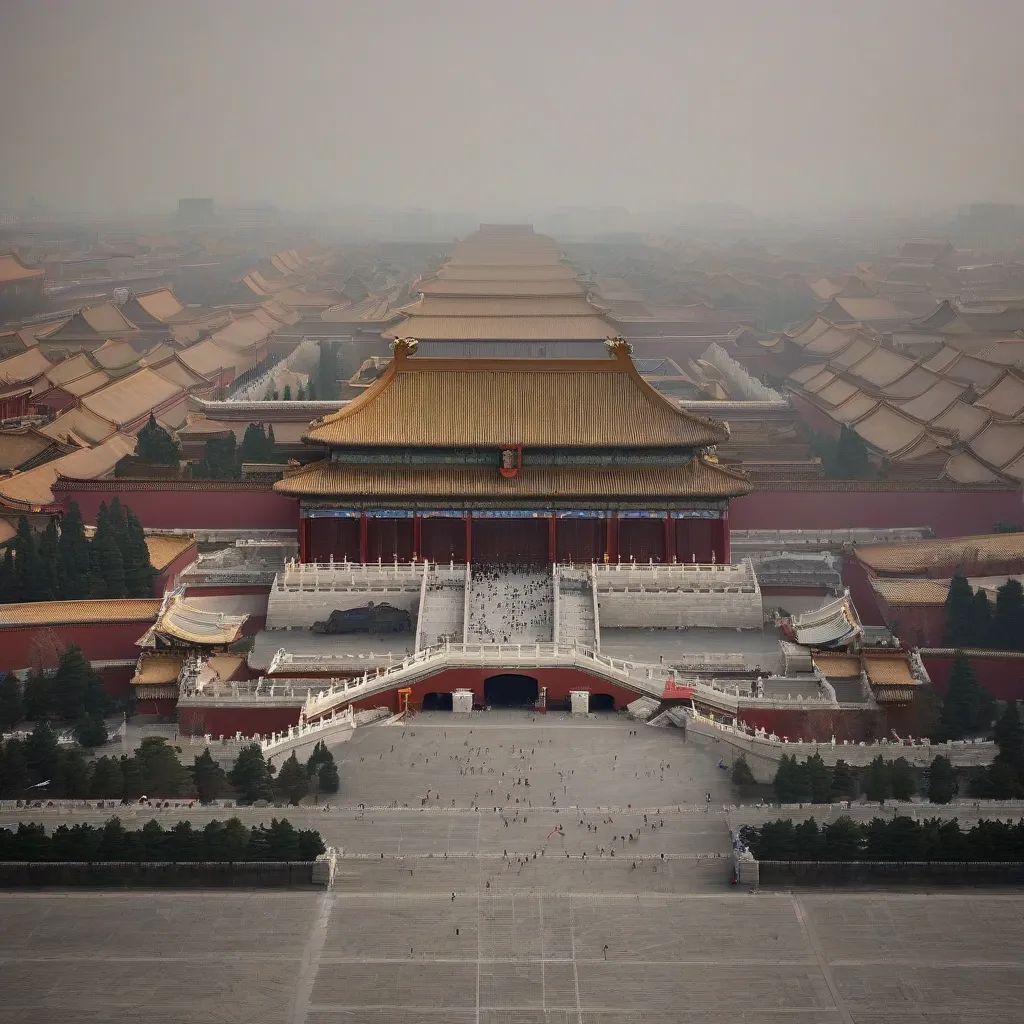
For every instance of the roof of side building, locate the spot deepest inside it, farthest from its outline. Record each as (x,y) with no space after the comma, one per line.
(944,556)
(60,613)
(12,269)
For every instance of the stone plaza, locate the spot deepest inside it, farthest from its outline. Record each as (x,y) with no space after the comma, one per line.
(455,905)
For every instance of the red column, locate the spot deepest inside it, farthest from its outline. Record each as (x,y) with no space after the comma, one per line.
(417,536)
(726,553)
(552,539)
(364,537)
(670,538)
(469,538)
(613,537)
(305,534)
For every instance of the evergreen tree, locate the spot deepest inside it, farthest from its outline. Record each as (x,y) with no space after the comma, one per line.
(967,707)
(877,781)
(118,527)
(208,778)
(138,570)
(250,775)
(1008,619)
(942,781)
(156,446)
(91,730)
(254,446)
(300,394)
(275,397)
(327,372)
(161,773)
(851,460)
(287,396)
(14,773)
(28,566)
(71,778)
(293,780)
(42,753)
(11,709)
(901,777)
(37,697)
(330,782)
(271,441)
(981,619)
(960,613)
(844,785)
(133,783)
(742,777)
(819,779)
(106,781)
(1009,737)
(9,590)
(74,554)
(72,683)
(105,557)
(53,566)
(311,391)
(786,782)
(219,460)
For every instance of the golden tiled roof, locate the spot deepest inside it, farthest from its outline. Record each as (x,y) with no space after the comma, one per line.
(164,548)
(916,592)
(697,479)
(504,328)
(888,670)
(894,694)
(157,669)
(837,666)
(944,556)
(131,397)
(67,613)
(581,403)
(184,620)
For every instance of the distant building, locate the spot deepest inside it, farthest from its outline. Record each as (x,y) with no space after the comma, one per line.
(21,289)
(195,211)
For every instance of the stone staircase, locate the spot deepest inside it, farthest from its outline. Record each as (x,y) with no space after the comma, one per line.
(442,611)
(510,606)
(575,606)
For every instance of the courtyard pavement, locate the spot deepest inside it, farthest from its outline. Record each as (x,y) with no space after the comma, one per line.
(489,913)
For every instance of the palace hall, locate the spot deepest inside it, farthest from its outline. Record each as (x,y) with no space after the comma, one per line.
(514,461)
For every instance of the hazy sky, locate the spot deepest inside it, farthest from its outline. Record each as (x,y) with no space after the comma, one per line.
(483,106)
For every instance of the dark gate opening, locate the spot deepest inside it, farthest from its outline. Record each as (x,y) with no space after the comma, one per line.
(437,702)
(602,702)
(510,691)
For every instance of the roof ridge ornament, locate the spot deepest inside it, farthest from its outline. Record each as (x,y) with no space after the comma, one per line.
(618,348)
(403,348)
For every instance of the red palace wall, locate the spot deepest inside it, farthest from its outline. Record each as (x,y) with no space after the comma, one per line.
(117,680)
(167,578)
(186,505)
(226,721)
(105,641)
(948,513)
(1003,677)
(812,724)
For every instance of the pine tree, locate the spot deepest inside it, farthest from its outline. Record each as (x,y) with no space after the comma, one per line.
(819,779)
(9,593)
(311,391)
(330,782)
(139,572)
(52,563)
(941,780)
(11,708)
(967,707)
(118,527)
(851,460)
(105,557)
(71,684)
(901,777)
(877,781)
(1008,619)
(156,446)
(74,554)
(1009,737)
(208,777)
(843,783)
(37,697)
(42,752)
(106,781)
(981,619)
(287,396)
(300,394)
(91,730)
(161,773)
(960,613)
(28,566)
(250,775)
(742,777)
(293,779)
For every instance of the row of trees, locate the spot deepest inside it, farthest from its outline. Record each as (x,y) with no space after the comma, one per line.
(62,564)
(844,457)
(967,709)
(39,766)
(886,839)
(302,394)
(972,621)
(218,841)
(73,694)
(223,456)
(813,782)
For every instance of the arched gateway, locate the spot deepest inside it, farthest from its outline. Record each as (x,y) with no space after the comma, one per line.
(510,690)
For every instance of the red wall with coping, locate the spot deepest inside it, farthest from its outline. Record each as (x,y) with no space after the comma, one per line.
(948,513)
(810,723)
(194,509)
(1002,677)
(227,721)
(102,641)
